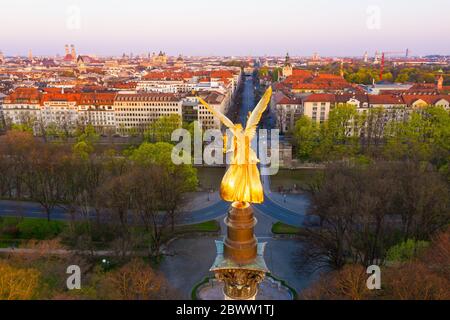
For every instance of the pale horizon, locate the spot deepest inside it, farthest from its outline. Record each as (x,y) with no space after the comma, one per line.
(225,28)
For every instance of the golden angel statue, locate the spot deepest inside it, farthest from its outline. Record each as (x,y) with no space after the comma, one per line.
(242,182)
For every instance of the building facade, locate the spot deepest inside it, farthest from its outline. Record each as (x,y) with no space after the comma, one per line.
(137,111)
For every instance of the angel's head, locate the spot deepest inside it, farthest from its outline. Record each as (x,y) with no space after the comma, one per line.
(238,127)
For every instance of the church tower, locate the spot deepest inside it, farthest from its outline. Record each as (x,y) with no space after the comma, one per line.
(287,68)
(73,52)
(440,81)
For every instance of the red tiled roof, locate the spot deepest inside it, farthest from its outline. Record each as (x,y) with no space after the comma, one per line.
(385,99)
(286,100)
(429,99)
(123,85)
(60,97)
(148,97)
(320,97)
(221,74)
(305,86)
(24,95)
(93,98)
(344,98)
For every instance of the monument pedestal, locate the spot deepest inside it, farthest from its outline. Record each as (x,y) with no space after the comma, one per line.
(240,258)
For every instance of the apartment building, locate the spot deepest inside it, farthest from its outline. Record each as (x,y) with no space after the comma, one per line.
(22,106)
(317,106)
(288,111)
(60,109)
(97,109)
(216,100)
(137,111)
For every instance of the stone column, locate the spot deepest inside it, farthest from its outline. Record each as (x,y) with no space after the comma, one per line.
(242,275)
(240,245)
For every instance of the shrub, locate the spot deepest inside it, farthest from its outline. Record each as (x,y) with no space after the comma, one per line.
(406,250)
(17,283)
(39,229)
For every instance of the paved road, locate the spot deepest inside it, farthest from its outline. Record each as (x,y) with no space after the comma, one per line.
(270,208)
(34,210)
(248,100)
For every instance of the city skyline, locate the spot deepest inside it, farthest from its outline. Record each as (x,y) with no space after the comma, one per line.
(202,28)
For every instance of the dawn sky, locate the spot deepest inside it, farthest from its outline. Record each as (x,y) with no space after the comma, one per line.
(227,27)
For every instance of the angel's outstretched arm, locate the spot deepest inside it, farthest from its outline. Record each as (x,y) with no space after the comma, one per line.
(227,122)
(255,117)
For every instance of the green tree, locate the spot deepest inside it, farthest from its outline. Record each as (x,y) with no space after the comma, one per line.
(161,154)
(402,77)
(88,135)
(175,179)
(424,136)
(340,134)
(406,250)
(388,77)
(363,75)
(306,135)
(161,130)
(23,127)
(276,74)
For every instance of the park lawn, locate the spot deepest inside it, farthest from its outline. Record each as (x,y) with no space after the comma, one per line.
(208,226)
(14,230)
(282,228)
(30,228)
(286,178)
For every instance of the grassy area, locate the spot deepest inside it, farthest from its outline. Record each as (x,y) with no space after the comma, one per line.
(15,231)
(281,228)
(288,178)
(208,226)
(29,228)
(210,178)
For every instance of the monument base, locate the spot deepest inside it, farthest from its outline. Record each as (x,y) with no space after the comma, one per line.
(268,289)
(240,261)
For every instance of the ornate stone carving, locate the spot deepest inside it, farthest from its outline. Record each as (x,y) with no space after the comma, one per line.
(240,284)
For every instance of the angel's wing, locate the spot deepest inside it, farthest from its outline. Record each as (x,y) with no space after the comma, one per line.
(217,114)
(255,117)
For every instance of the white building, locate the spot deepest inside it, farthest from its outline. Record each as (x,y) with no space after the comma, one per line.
(137,111)
(97,109)
(22,106)
(288,111)
(317,106)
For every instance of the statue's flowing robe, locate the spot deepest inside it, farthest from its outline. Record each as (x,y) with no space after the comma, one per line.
(242,180)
